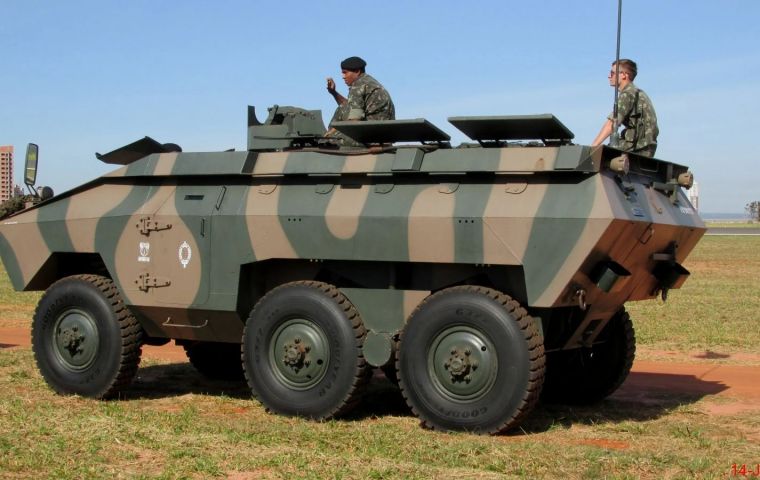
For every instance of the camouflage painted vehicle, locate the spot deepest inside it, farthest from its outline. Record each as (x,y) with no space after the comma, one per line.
(481,277)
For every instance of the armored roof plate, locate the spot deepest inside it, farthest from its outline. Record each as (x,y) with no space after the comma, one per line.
(390,131)
(513,127)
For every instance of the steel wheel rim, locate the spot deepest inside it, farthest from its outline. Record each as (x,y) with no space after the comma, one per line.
(462,363)
(75,339)
(299,353)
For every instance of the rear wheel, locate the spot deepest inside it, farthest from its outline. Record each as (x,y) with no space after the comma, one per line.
(470,358)
(85,339)
(588,375)
(218,361)
(302,351)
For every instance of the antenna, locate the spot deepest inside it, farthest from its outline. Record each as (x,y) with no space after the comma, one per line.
(614,139)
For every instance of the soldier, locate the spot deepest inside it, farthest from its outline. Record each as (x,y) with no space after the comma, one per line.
(367,98)
(634,111)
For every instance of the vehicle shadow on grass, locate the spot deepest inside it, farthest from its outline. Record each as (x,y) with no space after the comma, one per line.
(381,397)
(644,396)
(177,379)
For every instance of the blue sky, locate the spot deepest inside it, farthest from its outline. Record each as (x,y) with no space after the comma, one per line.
(84,76)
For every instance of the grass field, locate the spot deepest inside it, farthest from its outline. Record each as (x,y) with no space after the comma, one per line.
(735,224)
(718,308)
(173,423)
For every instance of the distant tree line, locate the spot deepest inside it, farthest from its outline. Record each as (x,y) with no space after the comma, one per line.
(753,210)
(17,202)
(14,204)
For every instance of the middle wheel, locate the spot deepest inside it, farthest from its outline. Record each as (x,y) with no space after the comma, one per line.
(471,359)
(302,351)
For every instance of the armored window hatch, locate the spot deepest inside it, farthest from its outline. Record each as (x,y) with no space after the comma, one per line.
(545,127)
(391,131)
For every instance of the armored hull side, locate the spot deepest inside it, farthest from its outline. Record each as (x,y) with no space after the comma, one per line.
(513,214)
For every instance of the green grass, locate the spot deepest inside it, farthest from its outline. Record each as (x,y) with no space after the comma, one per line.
(155,433)
(735,224)
(716,309)
(172,423)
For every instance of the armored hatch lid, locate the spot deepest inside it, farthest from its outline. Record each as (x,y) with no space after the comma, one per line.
(545,127)
(136,150)
(390,131)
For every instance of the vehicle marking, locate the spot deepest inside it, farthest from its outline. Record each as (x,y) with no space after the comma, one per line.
(185,254)
(144,252)
(686,210)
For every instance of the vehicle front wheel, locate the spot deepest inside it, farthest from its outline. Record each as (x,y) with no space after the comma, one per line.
(583,376)
(85,339)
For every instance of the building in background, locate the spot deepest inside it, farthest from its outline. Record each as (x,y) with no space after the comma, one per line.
(693,194)
(6,172)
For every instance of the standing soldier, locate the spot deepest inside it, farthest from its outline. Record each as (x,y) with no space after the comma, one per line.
(367,98)
(634,111)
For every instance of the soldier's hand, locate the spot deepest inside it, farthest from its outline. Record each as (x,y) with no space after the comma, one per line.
(330,85)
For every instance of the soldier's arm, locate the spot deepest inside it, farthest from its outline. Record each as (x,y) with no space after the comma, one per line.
(339,99)
(625,107)
(604,133)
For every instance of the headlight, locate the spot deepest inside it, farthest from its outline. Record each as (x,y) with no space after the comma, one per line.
(620,164)
(686,180)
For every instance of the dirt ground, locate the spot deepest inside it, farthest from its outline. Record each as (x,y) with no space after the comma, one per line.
(724,388)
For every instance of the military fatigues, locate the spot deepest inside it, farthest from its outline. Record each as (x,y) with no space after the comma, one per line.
(367,100)
(636,114)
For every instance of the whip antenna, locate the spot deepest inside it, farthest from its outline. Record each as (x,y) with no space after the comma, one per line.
(614,139)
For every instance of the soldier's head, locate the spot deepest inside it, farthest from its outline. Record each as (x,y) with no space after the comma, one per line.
(626,72)
(351,69)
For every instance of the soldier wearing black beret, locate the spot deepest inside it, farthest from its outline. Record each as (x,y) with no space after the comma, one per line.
(367,98)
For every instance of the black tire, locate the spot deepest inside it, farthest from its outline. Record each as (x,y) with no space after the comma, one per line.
(217,361)
(85,339)
(588,375)
(302,351)
(471,359)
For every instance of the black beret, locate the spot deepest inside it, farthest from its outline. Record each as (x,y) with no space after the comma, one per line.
(353,63)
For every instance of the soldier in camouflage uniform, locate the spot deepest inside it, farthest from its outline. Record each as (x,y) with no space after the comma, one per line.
(634,111)
(367,98)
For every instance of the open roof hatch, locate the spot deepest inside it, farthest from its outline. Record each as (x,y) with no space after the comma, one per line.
(390,131)
(496,129)
(136,150)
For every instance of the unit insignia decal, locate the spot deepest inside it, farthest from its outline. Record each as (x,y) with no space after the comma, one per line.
(144,252)
(185,254)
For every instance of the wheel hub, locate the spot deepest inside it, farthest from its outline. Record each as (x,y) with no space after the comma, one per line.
(71,340)
(462,363)
(459,365)
(299,353)
(296,354)
(75,339)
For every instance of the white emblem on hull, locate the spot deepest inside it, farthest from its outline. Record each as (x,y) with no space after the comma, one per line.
(185,253)
(144,252)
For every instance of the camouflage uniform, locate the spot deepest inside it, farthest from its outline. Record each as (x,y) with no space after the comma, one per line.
(367,100)
(636,114)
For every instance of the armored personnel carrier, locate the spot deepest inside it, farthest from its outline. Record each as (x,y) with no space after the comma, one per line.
(481,276)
